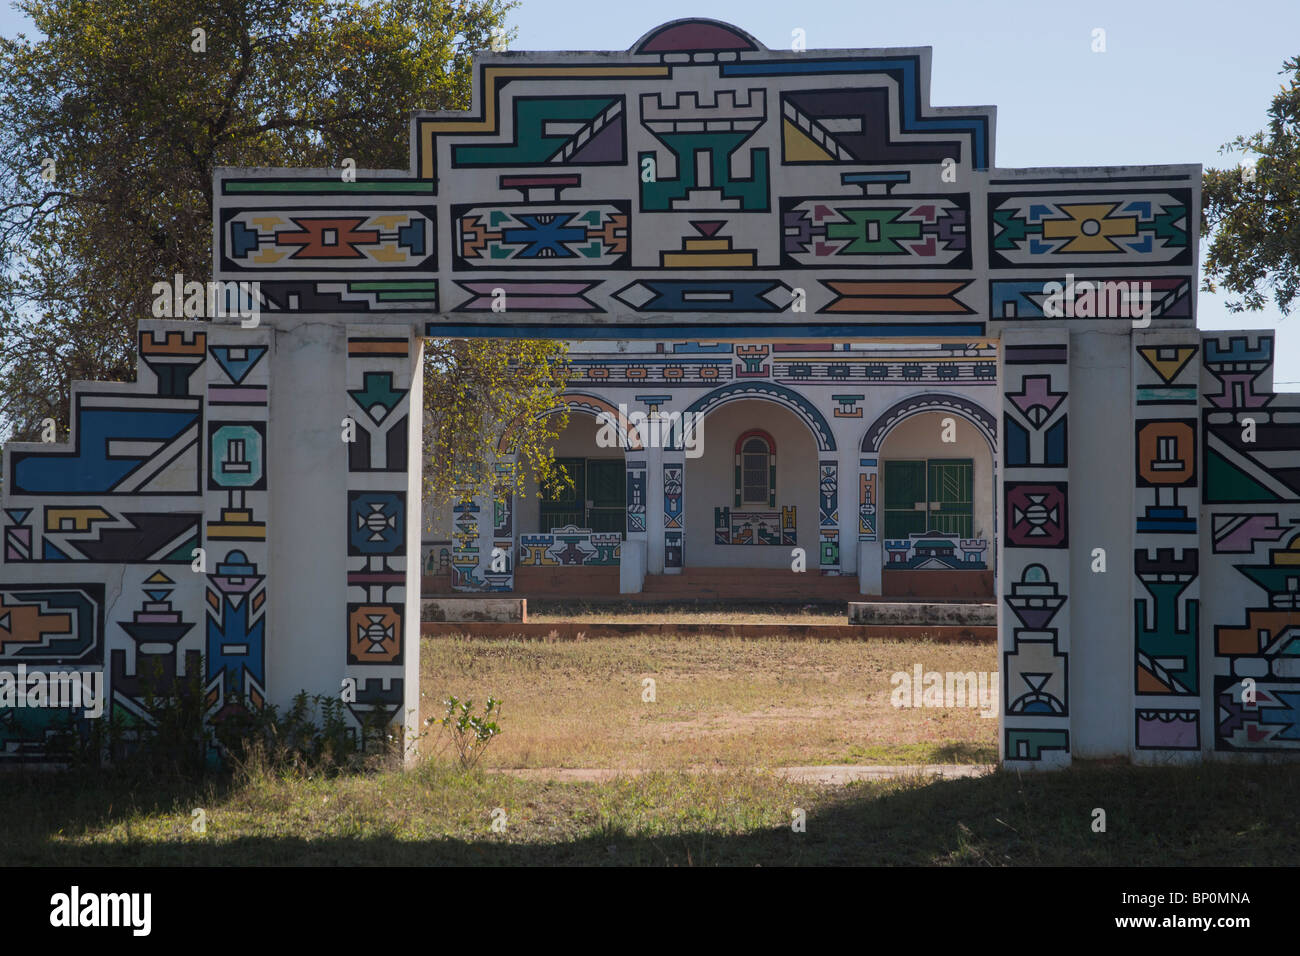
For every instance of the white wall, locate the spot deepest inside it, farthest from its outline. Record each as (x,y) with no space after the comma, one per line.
(308,482)
(1101,608)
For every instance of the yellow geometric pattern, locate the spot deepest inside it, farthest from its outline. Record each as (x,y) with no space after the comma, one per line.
(1090,227)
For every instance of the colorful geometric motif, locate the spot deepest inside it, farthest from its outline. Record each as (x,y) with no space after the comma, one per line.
(897,296)
(376,523)
(288,240)
(52,624)
(923,231)
(538,235)
(1165,622)
(705,134)
(1089,228)
(828,517)
(570,546)
(121,447)
(1123,298)
(674,516)
(867,500)
(934,550)
(706,295)
(1037,514)
(550,130)
(1167,729)
(755,527)
(636,496)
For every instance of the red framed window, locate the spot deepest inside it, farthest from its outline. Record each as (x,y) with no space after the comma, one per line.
(755,470)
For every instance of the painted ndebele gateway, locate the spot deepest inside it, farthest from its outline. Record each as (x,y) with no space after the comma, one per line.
(734,229)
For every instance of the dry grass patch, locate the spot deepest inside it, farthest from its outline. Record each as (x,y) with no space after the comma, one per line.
(719,702)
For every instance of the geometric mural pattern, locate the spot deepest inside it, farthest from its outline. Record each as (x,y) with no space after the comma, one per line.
(1250,494)
(236,526)
(143,539)
(730,161)
(1034,557)
(1167,682)
(377,401)
(1094,227)
(755,527)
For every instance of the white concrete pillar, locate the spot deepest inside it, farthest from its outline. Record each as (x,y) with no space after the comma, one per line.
(1101,520)
(1033,549)
(384,397)
(1168,682)
(307,464)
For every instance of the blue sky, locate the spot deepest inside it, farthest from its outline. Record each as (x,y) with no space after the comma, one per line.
(1178,79)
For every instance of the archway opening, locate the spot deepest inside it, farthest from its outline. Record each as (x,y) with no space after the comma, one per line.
(751,495)
(936,509)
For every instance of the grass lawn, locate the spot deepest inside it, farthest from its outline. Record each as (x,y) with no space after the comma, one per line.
(720,702)
(1215,814)
(728,705)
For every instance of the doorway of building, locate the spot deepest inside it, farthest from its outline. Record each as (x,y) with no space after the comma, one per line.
(597,500)
(934,494)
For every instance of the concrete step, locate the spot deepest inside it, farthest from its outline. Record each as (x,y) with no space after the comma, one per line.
(473,608)
(942,614)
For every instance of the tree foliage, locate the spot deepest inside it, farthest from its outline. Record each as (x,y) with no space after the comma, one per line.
(136,110)
(503,394)
(1253,211)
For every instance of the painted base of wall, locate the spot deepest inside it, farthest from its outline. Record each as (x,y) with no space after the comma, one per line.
(938,585)
(535,581)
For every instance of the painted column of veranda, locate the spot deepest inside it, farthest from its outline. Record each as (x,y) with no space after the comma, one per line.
(673,477)
(634,555)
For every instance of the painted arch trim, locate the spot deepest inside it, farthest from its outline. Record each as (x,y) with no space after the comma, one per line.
(803,409)
(897,413)
(628,435)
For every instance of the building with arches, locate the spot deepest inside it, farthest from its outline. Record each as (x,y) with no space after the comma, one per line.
(876,461)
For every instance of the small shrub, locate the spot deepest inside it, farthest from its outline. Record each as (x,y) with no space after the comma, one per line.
(298,739)
(468,732)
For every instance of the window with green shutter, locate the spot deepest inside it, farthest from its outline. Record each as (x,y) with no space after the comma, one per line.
(935,494)
(951,482)
(597,500)
(606,494)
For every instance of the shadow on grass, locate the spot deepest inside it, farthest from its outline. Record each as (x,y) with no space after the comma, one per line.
(1215,814)
(41,805)
(962,751)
